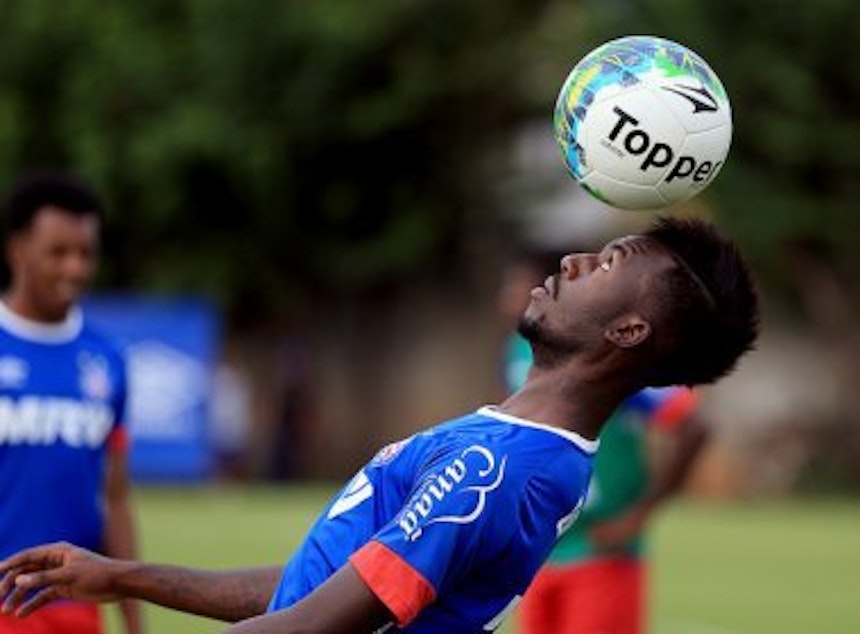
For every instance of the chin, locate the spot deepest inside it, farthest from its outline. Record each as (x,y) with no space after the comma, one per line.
(57,311)
(529,327)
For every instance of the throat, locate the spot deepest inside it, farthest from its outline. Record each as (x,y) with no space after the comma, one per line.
(579,406)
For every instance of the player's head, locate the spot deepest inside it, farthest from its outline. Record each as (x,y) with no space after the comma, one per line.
(51,243)
(674,305)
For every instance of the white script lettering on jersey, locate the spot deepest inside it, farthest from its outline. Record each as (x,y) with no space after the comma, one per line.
(34,420)
(475,473)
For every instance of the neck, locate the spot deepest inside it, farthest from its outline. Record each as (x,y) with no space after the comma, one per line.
(19,304)
(568,399)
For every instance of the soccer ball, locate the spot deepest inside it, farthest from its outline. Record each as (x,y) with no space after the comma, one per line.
(643,123)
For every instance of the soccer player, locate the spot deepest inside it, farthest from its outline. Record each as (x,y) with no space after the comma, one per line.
(62,393)
(595,580)
(443,531)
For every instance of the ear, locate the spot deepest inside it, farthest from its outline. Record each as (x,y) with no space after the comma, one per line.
(628,331)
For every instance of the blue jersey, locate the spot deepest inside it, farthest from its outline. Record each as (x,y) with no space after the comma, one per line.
(62,394)
(448,527)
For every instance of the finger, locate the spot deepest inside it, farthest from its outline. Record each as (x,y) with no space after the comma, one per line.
(36,578)
(7,581)
(42,555)
(37,601)
(15,599)
(24,582)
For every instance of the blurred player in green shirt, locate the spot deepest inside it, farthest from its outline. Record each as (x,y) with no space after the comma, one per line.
(595,579)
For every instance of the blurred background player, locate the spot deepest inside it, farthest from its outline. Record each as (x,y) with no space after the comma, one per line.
(63,445)
(594,580)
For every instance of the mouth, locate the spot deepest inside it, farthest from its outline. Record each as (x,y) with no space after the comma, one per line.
(67,292)
(539,291)
(68,289)
(551,285)
(548,289)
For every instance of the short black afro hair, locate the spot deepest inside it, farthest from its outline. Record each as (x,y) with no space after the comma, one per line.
(47,189)
(712,300)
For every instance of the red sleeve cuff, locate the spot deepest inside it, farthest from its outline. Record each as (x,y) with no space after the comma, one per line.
(118,440)
(403,590)
(675,410)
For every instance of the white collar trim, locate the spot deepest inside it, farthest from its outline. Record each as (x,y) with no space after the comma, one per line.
(41,332)
(589,446)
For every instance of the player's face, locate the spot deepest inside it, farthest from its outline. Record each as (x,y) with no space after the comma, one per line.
(52,262)
(572,310)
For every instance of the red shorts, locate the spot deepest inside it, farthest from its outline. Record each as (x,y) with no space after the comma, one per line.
(63,618)
(606,596)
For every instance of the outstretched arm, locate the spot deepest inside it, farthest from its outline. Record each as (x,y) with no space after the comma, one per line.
(344,603)
(66,571)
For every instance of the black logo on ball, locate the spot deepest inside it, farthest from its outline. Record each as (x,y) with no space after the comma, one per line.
(701,98)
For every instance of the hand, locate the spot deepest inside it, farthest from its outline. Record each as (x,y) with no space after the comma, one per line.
(616,532)
(34,577)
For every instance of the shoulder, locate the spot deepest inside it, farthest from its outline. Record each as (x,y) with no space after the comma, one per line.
(531,461)
(488,441)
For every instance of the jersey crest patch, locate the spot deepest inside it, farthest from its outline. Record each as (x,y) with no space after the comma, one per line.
(94,376)
(13,372)
(389,452)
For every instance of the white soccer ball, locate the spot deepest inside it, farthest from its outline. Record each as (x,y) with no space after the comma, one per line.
(643,123)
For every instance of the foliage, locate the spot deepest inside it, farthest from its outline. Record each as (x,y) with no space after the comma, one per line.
(259,149)
(254,148)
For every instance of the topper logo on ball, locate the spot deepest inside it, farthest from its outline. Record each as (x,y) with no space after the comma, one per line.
(658,155)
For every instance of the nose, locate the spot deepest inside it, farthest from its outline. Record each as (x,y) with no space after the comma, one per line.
(567,265)
(571,266)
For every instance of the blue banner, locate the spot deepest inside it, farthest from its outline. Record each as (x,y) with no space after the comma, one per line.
(171,349)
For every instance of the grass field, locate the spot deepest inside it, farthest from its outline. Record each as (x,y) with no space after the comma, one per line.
(788,567)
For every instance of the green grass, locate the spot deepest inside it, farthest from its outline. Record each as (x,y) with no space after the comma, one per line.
(766,568)
(775,568)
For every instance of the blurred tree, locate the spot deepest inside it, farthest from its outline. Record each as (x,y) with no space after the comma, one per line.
(259,149)
(254,148)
